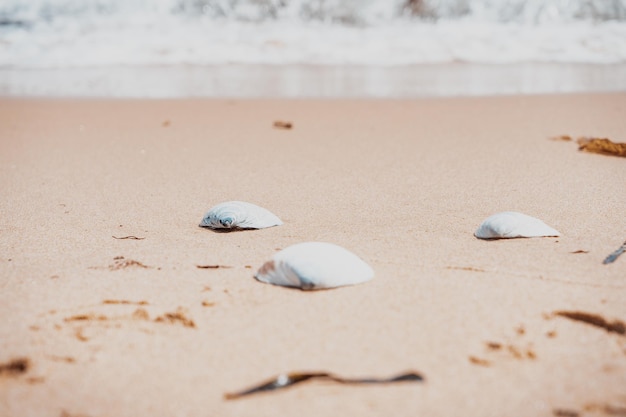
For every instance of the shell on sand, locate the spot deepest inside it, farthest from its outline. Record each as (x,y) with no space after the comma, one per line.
(313,266)
(510,224)
(239,215)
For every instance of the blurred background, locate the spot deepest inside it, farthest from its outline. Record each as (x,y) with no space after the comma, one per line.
(310,48)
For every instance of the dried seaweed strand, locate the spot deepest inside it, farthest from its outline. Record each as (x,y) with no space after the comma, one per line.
(86,317)
(613,256)
(616,326)
(128,237)
(212,266)
(140,303)
(287,380)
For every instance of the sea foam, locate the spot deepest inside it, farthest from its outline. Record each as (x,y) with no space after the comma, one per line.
(86,34)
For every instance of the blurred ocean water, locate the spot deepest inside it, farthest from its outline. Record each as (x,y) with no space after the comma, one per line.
(174,48)
(95,33)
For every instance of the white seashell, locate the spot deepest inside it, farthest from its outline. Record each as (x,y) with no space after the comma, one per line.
(510,224)
(313,266)
(239,215)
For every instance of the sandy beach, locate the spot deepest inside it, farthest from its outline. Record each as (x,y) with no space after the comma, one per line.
(105,311)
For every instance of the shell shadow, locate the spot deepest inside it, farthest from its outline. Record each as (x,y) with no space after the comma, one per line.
(231,230)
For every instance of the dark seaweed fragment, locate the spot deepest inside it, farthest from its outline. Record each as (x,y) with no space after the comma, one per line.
(616,326)
(212,266)
(279,124)
(287,380)
(613,256)
(15,367)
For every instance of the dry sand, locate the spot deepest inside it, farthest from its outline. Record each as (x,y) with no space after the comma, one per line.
(402,183)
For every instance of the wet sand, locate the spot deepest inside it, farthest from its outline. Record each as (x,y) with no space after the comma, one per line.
(98,323)
(314,81)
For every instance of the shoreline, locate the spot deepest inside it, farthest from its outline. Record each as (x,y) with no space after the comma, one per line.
(310,81)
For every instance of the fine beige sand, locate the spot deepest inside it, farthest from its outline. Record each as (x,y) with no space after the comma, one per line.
(402,183)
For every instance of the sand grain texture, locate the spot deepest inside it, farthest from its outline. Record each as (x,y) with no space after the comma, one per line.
(401,183)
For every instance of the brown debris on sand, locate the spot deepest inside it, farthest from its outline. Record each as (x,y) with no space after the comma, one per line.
(466,268)
(213,266)
(607,409)
(177,317)
(14,367)
(279,124)
(598,145)
(494,345)
(119,262)
(139,303)
(564,138)
(86,317)
(479,361)
(287,380)
(616,326)
(66,359)
(140,313)
(602,146)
